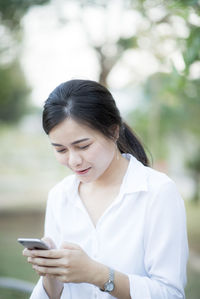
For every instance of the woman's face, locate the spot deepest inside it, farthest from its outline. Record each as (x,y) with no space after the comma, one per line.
(87,152)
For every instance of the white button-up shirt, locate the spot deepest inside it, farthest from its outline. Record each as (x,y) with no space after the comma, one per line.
(141,234)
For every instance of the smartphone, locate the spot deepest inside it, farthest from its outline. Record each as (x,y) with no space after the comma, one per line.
(33,243)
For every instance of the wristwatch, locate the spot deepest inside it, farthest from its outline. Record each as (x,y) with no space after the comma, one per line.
(109,285)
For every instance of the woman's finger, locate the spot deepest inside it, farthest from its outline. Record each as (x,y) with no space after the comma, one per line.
(47,262)
(68,245)
(27,252)
(50,270)
(49,242)
(52,253)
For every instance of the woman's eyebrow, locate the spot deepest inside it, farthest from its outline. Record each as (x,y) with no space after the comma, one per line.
(75,142)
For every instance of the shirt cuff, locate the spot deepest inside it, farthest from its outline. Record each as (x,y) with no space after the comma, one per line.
(138,287)
(66,293)
(146,288)
(39,291)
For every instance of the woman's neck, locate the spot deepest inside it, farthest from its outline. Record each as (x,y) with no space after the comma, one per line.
(114,174)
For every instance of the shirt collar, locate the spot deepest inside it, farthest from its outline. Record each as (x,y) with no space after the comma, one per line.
(135,179)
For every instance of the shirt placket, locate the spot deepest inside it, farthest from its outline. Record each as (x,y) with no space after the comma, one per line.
(95,256)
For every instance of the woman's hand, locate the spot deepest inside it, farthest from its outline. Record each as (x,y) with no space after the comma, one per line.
(29,252)
(68,264)
(52,286)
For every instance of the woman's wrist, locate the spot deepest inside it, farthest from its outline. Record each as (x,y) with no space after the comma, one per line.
(52,286)
(99,274)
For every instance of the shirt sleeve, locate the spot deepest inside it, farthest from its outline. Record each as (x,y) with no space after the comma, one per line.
(40,293)
(52,231)
(165,246)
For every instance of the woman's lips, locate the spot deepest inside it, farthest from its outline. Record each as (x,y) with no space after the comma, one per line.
(82,171)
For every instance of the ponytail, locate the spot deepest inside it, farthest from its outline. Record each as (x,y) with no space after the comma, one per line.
(129,143)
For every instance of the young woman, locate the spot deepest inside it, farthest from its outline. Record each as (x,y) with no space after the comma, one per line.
(116,227)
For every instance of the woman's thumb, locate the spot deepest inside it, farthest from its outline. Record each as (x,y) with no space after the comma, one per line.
(68,245)
(49,242)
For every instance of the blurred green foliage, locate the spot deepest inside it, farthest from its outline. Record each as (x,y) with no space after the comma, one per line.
(14,91)
(13,294)
(171,12)
(171,106)
(193,163)
(12,11)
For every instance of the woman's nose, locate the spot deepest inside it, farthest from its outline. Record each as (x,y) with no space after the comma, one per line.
(74,160)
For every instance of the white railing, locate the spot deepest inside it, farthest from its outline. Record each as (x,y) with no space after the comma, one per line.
(16,284)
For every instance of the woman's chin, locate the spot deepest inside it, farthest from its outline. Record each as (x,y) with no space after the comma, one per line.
(86,179)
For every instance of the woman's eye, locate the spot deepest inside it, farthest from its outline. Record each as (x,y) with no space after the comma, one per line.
(84,147)
(61,151)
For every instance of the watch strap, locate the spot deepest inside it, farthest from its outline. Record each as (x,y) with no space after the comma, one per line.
(111,274)
(110,280)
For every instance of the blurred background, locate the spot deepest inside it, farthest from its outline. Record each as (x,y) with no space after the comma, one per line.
(147,52)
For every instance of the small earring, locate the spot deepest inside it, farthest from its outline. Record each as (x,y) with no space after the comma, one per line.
(117,151)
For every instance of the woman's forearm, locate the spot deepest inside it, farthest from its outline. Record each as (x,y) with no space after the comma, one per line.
(53,287)
(101,275)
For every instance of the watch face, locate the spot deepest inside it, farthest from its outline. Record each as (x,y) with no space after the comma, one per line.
(109,286)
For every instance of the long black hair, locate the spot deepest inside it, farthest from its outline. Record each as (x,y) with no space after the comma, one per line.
(90,103)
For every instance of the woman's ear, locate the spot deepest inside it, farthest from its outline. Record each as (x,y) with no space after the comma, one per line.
(114,131)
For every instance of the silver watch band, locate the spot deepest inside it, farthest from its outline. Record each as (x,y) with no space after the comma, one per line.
(111,274)
(109,285)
